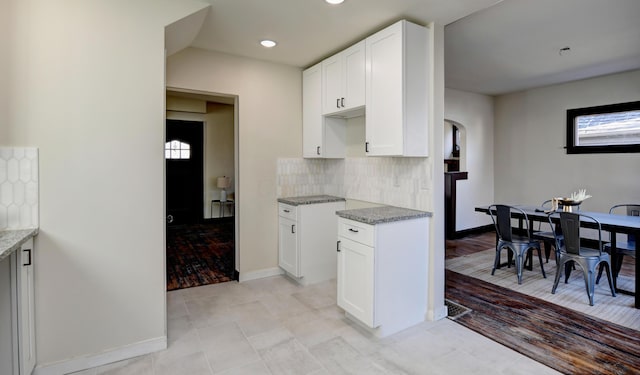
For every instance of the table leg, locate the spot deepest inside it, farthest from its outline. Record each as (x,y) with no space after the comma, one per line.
(614,261)
(221,211)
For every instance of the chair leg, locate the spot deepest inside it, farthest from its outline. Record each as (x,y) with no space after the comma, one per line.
(568,266)
(541,266)
(606,267)
(589,282)
(559,268)
(618,266)
(547,250)
(520,258)
(599,273)
(496,262)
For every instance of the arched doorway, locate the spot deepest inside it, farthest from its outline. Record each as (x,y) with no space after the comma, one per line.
(454,170)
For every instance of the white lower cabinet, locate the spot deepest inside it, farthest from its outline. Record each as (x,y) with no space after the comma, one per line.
(17,313)
(355,280)
(306,241)
(26,309)
(382,273)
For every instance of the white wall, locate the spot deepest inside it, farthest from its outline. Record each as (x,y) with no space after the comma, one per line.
(220,151)
(5,73)
(475,113)
(87,89)
(270,126)
(530,160)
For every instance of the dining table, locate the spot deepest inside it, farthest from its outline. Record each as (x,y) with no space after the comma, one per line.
(609,222)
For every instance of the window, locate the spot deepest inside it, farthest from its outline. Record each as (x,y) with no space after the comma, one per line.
(177,150)
(604,129)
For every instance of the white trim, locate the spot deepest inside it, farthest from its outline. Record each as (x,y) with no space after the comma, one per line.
(437,314)
(114,355)
(260,274)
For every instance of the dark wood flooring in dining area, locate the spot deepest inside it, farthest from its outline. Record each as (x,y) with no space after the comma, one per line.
(568,341)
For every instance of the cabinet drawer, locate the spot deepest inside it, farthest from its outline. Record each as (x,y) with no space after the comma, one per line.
(288,211)
(356,231)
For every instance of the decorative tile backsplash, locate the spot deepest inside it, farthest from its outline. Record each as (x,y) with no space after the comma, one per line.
(402,182)
(18,187)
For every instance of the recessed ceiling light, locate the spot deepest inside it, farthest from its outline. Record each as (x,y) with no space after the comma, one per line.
(268,43)
(334,2)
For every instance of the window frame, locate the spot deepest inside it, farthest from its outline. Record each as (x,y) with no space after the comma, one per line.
(572,148)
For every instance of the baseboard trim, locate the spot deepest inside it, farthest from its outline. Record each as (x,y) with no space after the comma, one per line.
(260,274)
(438,313)
(114,355)
(476,230)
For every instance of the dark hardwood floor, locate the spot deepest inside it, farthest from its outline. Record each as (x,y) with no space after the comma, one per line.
(569,342)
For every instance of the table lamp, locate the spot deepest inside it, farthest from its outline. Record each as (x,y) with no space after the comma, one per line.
(223,183)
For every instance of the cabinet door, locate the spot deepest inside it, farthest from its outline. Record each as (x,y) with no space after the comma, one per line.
(384,99)
(356,280)
(288,249)
(312,127)
(26,309)
(332,71)
(354,76)
(7,317)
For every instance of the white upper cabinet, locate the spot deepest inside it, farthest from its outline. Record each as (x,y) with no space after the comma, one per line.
(321,137)
(397,82)
(343,82)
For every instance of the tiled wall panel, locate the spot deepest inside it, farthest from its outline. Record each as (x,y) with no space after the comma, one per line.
(18,187)
(402,182)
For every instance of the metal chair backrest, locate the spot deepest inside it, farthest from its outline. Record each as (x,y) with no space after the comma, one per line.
(502,220)
(632,209)
(570,223)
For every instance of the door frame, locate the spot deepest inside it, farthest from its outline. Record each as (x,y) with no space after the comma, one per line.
(230,99)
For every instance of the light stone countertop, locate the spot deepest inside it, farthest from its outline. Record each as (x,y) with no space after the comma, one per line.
(310,199)
(383,214)
(12,239)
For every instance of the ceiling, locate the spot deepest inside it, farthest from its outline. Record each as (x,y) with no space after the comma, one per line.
(491,46)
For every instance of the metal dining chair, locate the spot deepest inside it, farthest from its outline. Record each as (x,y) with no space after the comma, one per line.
(587,258)
(508,238)
(548,238)
(623,247)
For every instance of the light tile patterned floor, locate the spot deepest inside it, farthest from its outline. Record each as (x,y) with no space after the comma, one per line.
(274,326)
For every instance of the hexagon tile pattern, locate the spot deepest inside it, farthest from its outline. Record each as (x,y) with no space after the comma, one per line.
(18,187)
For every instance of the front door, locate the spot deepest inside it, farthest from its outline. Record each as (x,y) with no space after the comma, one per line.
(184,165)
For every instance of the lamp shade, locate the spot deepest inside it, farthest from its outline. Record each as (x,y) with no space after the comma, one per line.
(223,182)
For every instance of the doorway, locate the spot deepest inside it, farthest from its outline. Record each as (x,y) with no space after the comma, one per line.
(184,169)
(455,170)
(201,243)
